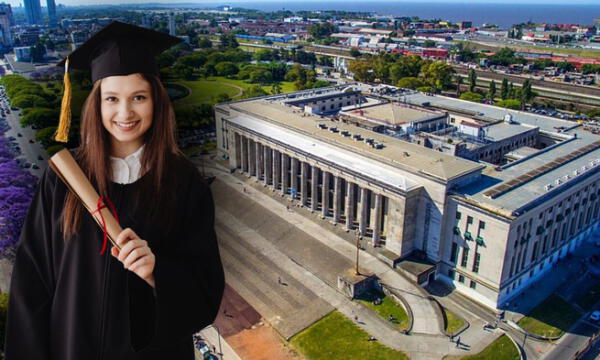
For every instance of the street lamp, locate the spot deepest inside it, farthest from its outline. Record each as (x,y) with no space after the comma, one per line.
(357,250)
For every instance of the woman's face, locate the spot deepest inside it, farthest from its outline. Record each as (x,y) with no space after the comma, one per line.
(126,108)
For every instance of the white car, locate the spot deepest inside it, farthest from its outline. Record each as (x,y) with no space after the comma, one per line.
(595,316)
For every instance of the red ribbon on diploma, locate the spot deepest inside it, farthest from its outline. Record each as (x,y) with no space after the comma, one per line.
(102,202)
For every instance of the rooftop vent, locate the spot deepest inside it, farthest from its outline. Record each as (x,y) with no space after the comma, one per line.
(322,126)
(548,187)
(558,181)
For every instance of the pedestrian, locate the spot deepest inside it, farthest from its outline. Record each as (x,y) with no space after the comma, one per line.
(279,280)
(164,282)
(458,342)
(356,318)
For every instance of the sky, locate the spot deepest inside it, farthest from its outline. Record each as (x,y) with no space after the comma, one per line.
(217,2)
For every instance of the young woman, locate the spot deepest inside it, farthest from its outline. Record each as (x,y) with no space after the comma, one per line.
(69,302)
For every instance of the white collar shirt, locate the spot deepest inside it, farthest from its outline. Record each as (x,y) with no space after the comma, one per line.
(127,170)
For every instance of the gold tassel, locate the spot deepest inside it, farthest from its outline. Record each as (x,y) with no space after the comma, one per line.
(62,132)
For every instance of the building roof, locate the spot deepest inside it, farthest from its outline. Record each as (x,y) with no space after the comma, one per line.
(521,196)
(393,113)
(397,153)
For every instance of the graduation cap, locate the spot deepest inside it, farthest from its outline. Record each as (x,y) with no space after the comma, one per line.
(117,49)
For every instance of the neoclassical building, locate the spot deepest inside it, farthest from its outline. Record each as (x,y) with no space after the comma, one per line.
(484,237)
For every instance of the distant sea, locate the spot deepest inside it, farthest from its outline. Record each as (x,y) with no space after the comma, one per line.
(501,14)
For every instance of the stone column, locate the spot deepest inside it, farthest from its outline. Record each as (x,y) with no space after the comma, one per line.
(244,152)
(314,191)
(258,153)
(294,178)
(285,176)
(304,183)
(337,198)
(377,218)
(267,164)
(349,205)
(251,158)
(362,220)
(325,193)
(276,168)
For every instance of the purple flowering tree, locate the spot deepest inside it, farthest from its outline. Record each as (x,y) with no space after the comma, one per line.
(17,187)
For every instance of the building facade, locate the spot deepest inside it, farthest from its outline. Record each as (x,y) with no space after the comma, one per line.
(490,231)
(33,12)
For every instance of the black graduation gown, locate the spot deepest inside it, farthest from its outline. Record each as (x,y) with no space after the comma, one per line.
(67,302)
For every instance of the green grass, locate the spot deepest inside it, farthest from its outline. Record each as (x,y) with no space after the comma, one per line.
(453,322)
(204,91)
(387,307)
(501,349)
(588,300)
(336,337)
(551,318)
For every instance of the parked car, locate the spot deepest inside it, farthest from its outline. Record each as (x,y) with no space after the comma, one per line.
(34,166)
(40,157)
(31,141)
(19,135)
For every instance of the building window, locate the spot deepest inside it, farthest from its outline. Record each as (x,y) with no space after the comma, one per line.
(473,284)
(458,215)
(465,257)
(469,220)
(476,262)
(454,252)
(461,279)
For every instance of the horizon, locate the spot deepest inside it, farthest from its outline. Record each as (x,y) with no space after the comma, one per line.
(19,3)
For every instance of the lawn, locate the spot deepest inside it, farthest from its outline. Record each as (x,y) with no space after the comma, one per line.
(453,322)
(204,91)
(588,300)
(336,337)
(501,349)
(387,307)
(551,318)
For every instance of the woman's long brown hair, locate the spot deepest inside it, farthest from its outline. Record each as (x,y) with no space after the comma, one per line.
(93,154)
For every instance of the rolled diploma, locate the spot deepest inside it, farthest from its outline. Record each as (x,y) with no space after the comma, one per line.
(71,174)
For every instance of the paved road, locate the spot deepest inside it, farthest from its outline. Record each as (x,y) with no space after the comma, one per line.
(29,151)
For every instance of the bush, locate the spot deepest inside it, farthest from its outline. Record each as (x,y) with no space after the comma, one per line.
(410,82)
(471,96)
(509,104)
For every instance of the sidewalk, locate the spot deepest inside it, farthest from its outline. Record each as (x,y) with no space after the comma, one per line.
(430,344)
(223,349)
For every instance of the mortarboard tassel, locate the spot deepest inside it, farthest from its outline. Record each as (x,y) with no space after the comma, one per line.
(62,132)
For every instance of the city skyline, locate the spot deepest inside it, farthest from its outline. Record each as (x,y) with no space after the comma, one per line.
(20,3)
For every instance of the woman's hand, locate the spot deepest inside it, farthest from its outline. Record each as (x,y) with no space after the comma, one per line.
(135,255)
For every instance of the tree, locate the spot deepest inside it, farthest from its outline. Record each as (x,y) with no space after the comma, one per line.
(39,117)
(504,89)
(26,101)
(509,104)
(429,43)
(184,71)
(354,52)
(254,91)
(204,43)
(45,136)
(526,94)
(321,31)
(471,96)
(260,76)
(262,55)
(222,97)
(437,74)
(226,68)
(492,90)
(472,80)
(38,52)
(228,41)
(276,88)
(459,82)
(410,83)
(362,70)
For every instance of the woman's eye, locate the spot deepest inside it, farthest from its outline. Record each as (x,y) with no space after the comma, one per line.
(111,99)
(139,97)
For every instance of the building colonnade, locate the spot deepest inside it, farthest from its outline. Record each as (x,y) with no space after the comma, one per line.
(342,201)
